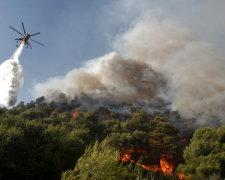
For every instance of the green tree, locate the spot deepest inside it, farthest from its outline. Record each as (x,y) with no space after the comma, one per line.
(147,139)
(88,126)
(11,141)
(99,162)
(36,143)
(164,138)
(205,156)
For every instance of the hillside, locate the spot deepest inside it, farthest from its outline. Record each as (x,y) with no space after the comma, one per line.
(42,140)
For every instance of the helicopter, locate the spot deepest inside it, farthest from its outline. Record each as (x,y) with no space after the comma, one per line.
(26,37)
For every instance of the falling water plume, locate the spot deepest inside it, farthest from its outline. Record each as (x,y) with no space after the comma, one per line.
(11,78)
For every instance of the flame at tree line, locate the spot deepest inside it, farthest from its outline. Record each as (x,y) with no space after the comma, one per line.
(167,164)
(75,113)
(49,132)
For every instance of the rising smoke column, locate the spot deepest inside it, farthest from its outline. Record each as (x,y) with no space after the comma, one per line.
(151,54)
(11,78)
(111,79)
(195,73)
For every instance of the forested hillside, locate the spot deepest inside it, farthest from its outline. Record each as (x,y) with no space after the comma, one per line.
(40,140)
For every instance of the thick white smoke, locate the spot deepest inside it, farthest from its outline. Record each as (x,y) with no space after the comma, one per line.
(11,78)
(195,73)
(163,52)
(110,78)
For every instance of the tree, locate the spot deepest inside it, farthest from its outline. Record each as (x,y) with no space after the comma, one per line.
(11,141)
(88,122)
(164,138)
(99,162)
(147,139)
(36,143)
(205,156)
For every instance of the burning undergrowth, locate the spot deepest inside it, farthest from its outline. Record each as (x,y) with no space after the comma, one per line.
(161,161)
(153,152)
(157,162)
(154,144)
(123,111)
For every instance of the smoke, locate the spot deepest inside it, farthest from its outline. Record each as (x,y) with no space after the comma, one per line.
(11,78)
(109,78)
(194,72)
(155,59)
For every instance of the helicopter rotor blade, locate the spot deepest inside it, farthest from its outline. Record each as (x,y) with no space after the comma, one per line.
(29,44)
(16,31)
(37,42)
(24,29)
(35,34)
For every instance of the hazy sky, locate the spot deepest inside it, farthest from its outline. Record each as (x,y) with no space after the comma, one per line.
(74,31)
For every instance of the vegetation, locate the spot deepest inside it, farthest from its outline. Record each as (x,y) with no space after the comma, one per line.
(205,156)
(44,141)
(36,144)
(99,162)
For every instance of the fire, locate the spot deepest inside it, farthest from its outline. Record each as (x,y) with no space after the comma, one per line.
(181,176)
(166,166)
(75,113)
(127,158)
(164,163)
(154,168)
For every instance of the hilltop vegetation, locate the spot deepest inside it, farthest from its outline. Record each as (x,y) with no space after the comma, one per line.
(42,141)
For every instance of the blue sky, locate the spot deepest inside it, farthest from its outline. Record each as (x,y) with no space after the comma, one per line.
(74,31)
(69,30)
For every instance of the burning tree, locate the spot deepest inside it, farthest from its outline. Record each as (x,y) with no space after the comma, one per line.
(153,143)
(99,162)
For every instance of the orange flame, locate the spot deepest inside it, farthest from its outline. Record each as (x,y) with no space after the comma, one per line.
(75,113)
(151,140)
(181,176)
(166,166)
(154,168)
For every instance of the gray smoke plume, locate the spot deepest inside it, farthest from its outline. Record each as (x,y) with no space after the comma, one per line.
(11,78)
(195,73)
(109,78)
(161,60)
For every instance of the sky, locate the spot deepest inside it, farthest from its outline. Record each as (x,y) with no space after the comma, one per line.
(75,31)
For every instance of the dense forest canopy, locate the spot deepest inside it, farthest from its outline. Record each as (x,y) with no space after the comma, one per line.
(40,140)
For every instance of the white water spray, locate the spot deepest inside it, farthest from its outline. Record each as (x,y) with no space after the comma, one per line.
(11,78)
